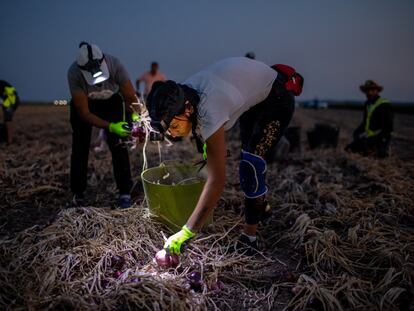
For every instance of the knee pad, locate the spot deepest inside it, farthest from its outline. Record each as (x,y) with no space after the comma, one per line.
(252,173)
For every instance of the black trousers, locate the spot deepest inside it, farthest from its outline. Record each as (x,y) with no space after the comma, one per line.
(261,128)
(111,110)
(9,112)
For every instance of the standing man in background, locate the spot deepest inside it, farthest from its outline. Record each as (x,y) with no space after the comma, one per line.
(102,95)
(9,102)
(250,55)
(149,77)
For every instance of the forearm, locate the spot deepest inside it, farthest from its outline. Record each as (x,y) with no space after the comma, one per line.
(94,120)
(206,204)
(128,93)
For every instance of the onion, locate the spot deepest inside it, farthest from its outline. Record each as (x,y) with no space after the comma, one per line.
(104,283)
(164,259)
(117,274)
(296,290)
(195,280)
(315,303)
(117,262)
(138,133)
(216,287)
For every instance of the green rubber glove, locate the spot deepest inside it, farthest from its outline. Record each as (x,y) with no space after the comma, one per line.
(174,242)
(135,117)
(120,129)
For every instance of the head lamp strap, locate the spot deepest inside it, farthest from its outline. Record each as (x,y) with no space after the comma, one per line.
(177,108)
(92,64)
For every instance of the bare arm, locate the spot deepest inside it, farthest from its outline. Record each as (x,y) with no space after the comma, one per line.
(80,102)
(216,165)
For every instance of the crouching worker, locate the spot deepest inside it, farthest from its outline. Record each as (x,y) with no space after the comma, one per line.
(9,100)
(102,95)
(373,135)
(209,103)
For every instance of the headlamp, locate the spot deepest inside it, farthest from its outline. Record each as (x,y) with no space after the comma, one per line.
(97,74)
(159,128)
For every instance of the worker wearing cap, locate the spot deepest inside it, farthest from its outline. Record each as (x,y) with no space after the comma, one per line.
(209,103)
(9,100)
(102,95)
(373,135)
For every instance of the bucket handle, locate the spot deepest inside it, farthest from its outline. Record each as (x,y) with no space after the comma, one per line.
(202,163)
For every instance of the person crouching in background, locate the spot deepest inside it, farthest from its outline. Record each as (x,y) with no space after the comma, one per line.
(372,137)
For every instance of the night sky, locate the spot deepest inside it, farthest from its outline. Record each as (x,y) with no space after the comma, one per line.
(336,45)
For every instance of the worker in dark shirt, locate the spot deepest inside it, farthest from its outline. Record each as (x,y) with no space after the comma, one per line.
(102,95)
(372,137)
(9,100)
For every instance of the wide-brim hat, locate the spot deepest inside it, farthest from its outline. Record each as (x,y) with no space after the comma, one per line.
(83,58)
(370,84)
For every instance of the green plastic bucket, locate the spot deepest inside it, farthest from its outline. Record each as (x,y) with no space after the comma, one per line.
(172,192)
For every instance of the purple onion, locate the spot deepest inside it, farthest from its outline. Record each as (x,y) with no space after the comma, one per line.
(195,280)
(117,274)
(216,287)
(104,283)
(166,260)
(117,262)
(315,303)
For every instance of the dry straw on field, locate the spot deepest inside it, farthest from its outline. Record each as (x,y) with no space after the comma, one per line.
(339,238)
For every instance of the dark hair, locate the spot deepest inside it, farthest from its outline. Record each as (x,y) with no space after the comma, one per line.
(154,64)
(167,99)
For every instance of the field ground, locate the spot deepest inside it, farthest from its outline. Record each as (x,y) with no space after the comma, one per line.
(34,178)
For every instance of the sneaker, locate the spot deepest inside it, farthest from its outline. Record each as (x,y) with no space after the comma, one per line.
(78,200)
(124,201)
(245,246)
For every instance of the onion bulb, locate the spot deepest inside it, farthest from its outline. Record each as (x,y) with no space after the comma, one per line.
(164,259)
(195,280)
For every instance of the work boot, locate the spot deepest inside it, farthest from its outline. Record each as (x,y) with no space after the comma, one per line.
(78,200)
(245,246)
(124,201)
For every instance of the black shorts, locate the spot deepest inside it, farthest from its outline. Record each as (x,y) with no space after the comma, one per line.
(262,126)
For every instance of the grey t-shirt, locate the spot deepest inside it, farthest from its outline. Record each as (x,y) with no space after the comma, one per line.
(227,89)
(104,90)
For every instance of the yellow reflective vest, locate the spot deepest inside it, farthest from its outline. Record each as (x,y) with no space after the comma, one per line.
(370,110)
(10,96)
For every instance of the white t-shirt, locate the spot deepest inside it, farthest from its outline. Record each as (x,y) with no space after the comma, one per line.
(227,89)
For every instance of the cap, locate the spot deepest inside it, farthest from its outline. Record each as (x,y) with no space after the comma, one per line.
(370,84)
(250,55)
(92,64)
